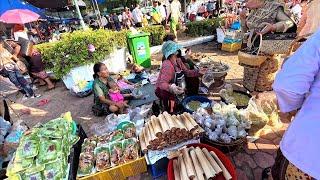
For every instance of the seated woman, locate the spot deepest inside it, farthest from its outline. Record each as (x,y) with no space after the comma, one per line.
(103,105)
(36,68)
(8,68)
(171,80)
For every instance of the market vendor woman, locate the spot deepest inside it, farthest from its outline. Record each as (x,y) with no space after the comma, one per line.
(103,105)
(171,80)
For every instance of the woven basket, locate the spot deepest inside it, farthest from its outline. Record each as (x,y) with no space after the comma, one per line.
(250,59)
(250,77)
(267,73)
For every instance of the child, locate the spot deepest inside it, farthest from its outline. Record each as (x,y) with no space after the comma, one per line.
(116,96)
(124,84)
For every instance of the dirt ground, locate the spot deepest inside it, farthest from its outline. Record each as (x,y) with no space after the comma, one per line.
(249,161)
(60,99)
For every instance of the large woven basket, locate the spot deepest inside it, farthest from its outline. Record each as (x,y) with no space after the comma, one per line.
(250,77)
(250,59)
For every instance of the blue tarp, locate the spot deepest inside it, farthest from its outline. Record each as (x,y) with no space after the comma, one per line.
(17,4)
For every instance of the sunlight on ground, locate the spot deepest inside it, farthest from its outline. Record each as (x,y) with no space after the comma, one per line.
(22,109)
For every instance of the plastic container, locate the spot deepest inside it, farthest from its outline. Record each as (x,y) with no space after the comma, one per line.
(139,47)
(121,172)
(201,99)
(240,92)
(231,47)
(159,168)
(223,158)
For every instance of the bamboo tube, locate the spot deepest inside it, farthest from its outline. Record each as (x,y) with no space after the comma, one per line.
(213,163)
(164,125)
(191,119)
(225,172)
(150,134)
(183,170)
(190,169)
(157,126)
(169,121)
(179,122)
(146,137)
(207,168)
(142,142)
(176,170)
(186,122)
(197,166)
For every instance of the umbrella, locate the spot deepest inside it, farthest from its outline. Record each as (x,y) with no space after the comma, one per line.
(51,4)
(19,16)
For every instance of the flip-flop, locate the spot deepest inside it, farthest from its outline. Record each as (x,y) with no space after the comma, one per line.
(43,102)
(266,173)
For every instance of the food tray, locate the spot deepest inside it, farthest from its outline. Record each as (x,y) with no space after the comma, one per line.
(223,158)
(120,172)
(240,92)
(231,47)
(225,147)
(201,99)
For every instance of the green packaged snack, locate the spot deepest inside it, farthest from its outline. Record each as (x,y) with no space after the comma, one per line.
(16,166)
(116,153)
(86,164)
(90,140)
(131,149)
(53,171)
(34,172)
(88,147)
(48,151)
(27,149)
(73,139)
(104,139)
(102,156)
(116,135)
(129,130)
(33,176)
(50,132)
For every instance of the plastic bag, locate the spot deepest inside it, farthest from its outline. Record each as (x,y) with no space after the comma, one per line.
(86,164)
(225,138)
(233,132)
(102,155)
(48,151)
(131,149)
(53,171)
(4,126)
(116,153)
(256,115)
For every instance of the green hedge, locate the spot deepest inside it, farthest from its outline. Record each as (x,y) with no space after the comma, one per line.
(71,51)
(203,28)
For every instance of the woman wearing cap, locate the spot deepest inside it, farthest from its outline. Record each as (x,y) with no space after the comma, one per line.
(171,80)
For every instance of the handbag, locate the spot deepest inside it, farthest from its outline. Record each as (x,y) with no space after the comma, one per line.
(251,56)
(277,43)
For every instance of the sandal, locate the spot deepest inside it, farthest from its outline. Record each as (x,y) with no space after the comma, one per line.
(266,173)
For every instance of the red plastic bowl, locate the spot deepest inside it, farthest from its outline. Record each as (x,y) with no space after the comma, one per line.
(223,158)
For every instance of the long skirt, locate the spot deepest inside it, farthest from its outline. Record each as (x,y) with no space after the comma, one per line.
(284,170)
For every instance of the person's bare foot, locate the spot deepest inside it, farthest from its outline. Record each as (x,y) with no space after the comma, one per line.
(51,87)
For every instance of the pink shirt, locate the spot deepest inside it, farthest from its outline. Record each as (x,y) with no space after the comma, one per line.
(297,86)
(116,97)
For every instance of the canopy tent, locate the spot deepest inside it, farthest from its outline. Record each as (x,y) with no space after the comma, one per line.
(50,4)
(18,4)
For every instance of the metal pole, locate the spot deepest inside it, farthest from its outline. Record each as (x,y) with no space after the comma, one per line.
(79,14)
(99,14)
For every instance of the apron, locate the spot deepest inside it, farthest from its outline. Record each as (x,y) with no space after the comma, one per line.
(180,81)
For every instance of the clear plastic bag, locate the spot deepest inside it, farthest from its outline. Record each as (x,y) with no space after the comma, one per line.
(4,126)
(233,132)
(225,138)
